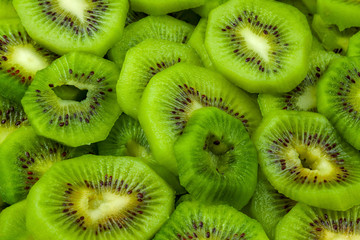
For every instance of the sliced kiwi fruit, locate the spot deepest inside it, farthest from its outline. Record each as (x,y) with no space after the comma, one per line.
(20,59)
(156,27)
(311,5)
(343,13)
(268,206)
(82,116)
(305,222)
(193,220)
(162,7)
(173,94)
(64,25)
(142,62)
(22,163)
(12,117)
(338,97)
(354,46)
(7,10)
(304,158)
(302,97)
(216,159)
(261,46)
(13,223)
(127,138)
(98,197)
(133,16)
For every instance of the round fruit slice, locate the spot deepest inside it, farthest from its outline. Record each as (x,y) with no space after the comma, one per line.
(97,197)
(261,46)
(304,158)
(73,101)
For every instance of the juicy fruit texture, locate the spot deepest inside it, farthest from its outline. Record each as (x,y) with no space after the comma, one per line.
(338,97)
(98,197)
(155,27)
(305,222)
(303,97)
(216,159)
(7,10)
(162,7)
(84,116)
(261,46)
(195,220)
(64,25)
(209,5)
(20,59)
(144,61)
(304,158)
(354,46)
(173,94)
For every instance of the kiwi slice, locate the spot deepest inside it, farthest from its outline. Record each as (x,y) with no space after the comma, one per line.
(20,59)
(268,206)
(209,5)
(13,223)
(216,159)
(305,222)
(303,97)
(98,197)
(261,46)
(12,117)
(84,116)
(173,94)
(64,25)
(162,7)
(156,27)
(311,5)
(304,158)
(127,138)
(22,163)
(7,10)
(338,97)
(193,220)
(142,62)
(354,46)
(343,13)
(133,16)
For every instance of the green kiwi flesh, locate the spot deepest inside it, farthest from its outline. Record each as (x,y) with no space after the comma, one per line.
(216,159)
(354,46)
(173,94)
(255,45)
(7,10)
(209,5)
(74,121)
(98,197)
(304,158)
(162,7)
(144,61)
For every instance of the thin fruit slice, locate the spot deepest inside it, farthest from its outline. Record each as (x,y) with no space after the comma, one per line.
(162,7)
(22,163)
(7,10)
(310,223)
(261,46)
(304,158)
(155,27)
(354,46)
(64,25)
(98,197)
(142,62)
(339,95)
(73,101)
(209,5)
(173,94)
(216,159)
(193,220)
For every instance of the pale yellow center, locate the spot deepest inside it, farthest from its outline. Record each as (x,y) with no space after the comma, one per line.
(256,43)
(75,7)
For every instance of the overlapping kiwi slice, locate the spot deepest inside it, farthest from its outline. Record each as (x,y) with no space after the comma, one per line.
(304,158)
(7,10)
(73,101)
(162,7)
(193,220)
(209,5)
(302,97)
(173,94)
(261,46)
(216,159)
(98,197)
(155,27)
(305,222)
(338,97)
(64,25)
(354,46)
(22,163)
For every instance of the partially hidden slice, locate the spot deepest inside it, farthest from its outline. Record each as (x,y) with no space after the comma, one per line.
(354,45)
(162,7)
(7,10)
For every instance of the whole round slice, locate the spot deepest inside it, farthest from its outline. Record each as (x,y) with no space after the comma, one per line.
(162,7)
(73,101)
(173,94)
(304,158)
(98,197)
(261,46)
(216,159)
(64,26)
